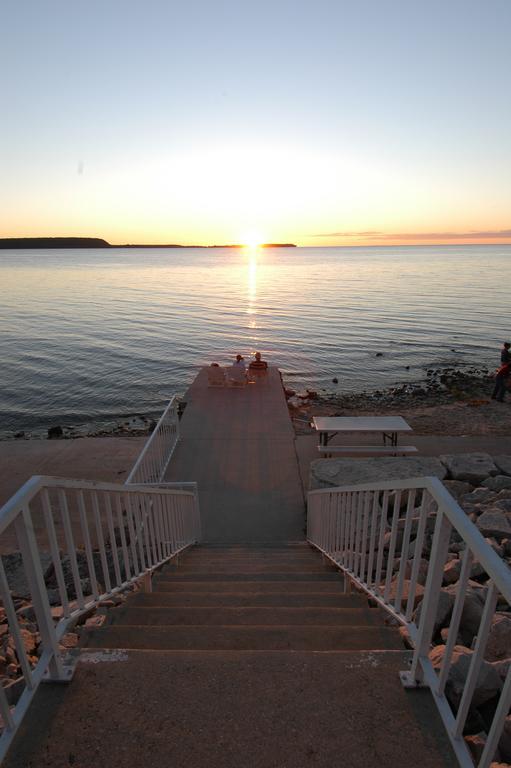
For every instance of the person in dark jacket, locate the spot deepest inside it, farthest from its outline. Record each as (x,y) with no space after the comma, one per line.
(257,364)
(505,354)
(501,378)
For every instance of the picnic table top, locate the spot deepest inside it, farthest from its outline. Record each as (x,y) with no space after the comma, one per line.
(360,424)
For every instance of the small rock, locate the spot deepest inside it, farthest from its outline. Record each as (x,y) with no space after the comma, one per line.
(95,621)
(476,744)
(444,634)
(405,637)
(69,640)
(30,640)
(55,432)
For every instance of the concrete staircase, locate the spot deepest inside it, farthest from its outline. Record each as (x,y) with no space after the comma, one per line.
(246,599)
(242,656)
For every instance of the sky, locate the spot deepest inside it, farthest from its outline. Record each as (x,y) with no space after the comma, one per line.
(318,123)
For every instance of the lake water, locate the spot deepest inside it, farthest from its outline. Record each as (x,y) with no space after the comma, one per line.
(93,335)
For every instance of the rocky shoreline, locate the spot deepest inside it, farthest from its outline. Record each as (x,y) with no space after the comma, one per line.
(449,401)
(131,426)
(441,386)
(445,386)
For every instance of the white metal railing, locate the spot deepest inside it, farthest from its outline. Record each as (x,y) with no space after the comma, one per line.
(101,538)
(382,536)
(154,459)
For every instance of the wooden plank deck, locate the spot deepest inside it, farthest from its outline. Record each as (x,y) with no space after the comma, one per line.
(238,445)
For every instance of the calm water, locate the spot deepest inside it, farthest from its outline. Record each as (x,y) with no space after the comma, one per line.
(91,335)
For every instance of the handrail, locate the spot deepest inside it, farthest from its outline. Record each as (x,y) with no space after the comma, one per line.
(111,535)
(376,533)
(154,459)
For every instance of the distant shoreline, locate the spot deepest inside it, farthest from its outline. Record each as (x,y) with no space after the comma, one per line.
(15,243)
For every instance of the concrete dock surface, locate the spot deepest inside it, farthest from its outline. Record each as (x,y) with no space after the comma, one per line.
(237,443)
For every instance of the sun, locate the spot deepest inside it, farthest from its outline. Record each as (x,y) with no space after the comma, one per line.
(252,240)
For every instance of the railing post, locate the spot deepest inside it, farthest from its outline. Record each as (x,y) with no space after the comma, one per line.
(429,605)
(32,566)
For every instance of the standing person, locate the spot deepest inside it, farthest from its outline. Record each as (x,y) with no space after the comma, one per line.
(505,354)
(501,378)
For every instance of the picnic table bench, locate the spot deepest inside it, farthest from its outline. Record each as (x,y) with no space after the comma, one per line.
(390,427)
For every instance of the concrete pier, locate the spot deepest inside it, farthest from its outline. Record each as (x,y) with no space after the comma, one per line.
(238,444)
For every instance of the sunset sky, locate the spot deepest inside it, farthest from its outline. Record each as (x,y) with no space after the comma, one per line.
(320,123)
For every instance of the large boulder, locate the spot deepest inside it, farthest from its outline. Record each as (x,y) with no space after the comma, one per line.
(478,496)
(503,504)
(443,614)
(330,473)
(471,467)
(473,607)
(15,572)
(498,646)
(502,667)
(452,571)
(505,741)
(488,683)
(494,523)
(418,594)
(458,488)
(497,483)
(503,463)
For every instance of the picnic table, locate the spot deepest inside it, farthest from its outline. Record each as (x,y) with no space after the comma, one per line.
(390,427)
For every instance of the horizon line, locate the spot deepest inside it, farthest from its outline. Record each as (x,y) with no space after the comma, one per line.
(53,241)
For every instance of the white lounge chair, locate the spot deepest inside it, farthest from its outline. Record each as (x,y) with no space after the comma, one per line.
(216,377)
(236,376)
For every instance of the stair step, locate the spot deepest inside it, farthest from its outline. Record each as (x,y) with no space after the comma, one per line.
(235,616)
(176,576)
(261,546)
(299,557)
(285,638)
(248,599)
(250,560)
(249,585)
(187,568)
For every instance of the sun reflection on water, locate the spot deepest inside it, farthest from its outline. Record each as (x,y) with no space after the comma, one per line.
(252,282)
